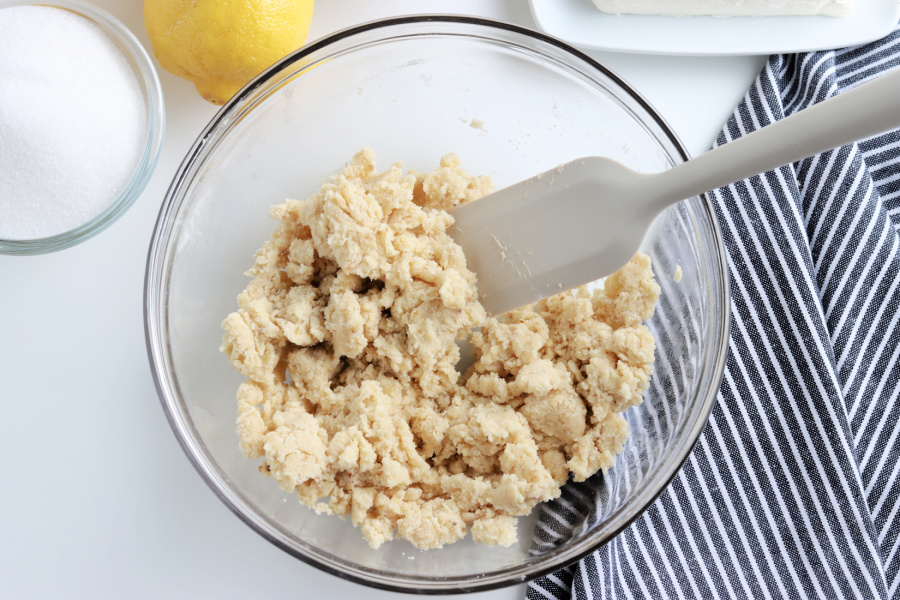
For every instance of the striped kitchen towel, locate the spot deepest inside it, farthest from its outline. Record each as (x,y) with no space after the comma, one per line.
(793,490)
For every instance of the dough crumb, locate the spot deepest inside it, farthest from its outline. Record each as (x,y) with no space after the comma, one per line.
(347,334)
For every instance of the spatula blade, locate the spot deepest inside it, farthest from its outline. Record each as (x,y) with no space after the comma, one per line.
(554,232)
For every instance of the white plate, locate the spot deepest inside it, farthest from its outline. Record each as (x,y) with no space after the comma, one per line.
(581,24)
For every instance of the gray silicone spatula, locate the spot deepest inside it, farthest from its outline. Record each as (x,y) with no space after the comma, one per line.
(587,218)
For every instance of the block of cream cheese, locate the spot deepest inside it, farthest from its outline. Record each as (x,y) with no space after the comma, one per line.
(727,8)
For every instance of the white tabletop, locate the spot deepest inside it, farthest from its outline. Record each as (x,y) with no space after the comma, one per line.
(97,499)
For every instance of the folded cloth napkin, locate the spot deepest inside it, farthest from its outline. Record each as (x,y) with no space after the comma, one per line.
(793,490)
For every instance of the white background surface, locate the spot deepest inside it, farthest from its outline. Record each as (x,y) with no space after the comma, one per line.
(96,498)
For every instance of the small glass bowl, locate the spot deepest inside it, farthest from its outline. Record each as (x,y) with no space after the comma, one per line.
(510,102)
(153,96)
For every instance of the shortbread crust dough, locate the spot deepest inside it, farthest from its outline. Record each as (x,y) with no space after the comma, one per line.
(347,337)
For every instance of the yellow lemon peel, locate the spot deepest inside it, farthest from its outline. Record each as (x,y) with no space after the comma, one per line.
(220,45)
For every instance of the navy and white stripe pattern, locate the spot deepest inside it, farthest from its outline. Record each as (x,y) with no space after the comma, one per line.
(793,490)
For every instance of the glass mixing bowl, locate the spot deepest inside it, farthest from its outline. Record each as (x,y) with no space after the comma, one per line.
(151,90)
(511,103)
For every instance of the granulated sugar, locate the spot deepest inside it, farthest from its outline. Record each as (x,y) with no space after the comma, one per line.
(73,121)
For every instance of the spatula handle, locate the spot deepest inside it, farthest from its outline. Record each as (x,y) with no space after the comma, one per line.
(866,110)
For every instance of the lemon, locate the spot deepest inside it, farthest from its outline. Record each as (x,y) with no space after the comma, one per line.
(220,45)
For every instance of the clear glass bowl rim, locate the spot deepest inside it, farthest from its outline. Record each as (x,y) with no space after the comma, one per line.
(156,125)
(156,272)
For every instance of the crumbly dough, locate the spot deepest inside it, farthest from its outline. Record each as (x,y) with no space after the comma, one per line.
(347,337)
